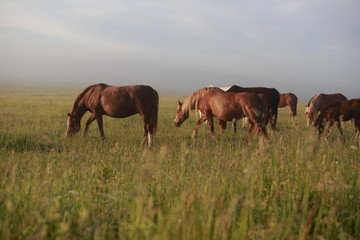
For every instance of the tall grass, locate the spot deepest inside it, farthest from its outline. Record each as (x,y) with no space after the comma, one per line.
(294,187)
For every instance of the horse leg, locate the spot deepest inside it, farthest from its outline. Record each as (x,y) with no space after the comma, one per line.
(149,130)
(151,133)
(245,121)
(146,132)
(250,131)
(291,115)
(234,124)
(275,120)
(338,124)
(211,124)
(263,130)
(222,125)
(100,124)
(88,122)
(331,123)
(357,128)
(200,121)
(272,120)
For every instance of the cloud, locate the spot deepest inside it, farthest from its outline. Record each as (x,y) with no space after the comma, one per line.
(292,6)
(16,16)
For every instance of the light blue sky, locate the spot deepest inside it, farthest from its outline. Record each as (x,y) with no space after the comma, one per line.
(305,47)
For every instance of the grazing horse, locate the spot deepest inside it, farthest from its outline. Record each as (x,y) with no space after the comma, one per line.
(340,111)
(289,99)
(214,102)
(272,97)
(319,103)
(117,102)
(222,88)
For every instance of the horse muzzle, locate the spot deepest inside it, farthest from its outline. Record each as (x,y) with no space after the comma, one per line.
(178,123)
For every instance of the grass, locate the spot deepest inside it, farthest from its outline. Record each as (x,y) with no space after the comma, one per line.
(294,187)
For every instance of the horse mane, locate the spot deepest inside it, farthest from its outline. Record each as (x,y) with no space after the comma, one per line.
(81,95)
(314,103)
(192,101)
(308,104)
(317,101)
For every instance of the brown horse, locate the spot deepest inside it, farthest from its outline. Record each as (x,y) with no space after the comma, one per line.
(214,102)
(319,103)
(289,99)
(272,97)
(344,111)
(117,102)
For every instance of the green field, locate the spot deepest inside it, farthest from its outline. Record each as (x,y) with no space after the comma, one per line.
(294,187)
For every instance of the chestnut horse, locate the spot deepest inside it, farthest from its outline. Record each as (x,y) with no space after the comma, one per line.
(319,103)
(272,97)
(344,111)
(289,99)
(117,102)
(214,102)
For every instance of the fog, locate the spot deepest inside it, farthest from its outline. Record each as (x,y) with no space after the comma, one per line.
(304,47)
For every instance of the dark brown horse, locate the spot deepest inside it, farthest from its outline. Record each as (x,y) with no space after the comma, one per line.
(214,102)
(117,102)
(272,97)
(319,103)
(339,111)
(289,99)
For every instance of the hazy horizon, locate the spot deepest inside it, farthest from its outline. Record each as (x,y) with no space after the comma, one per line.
(305,47)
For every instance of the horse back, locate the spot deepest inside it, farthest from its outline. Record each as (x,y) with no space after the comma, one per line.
(349,109)
(322,101)
(126,101)
(251,101)
(226,105)
(271,95)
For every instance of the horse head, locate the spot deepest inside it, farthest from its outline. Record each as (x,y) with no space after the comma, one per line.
(310,115)
(73,125)
(181,115)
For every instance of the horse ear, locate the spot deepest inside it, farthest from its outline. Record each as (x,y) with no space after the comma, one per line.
(180,103)
(69,114)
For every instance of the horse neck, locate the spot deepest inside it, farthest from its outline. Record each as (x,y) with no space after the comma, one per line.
(187,106)
(78,110)
(190,103)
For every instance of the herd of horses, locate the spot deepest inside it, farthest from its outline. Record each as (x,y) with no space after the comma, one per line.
(258,104)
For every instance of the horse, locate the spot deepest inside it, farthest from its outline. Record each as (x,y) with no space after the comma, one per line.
(272,97)
(319,103)
(289,99)
(214,102)
(340,111)
(222,88)
(117,102)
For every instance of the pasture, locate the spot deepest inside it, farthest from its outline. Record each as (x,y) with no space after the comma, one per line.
(293,187)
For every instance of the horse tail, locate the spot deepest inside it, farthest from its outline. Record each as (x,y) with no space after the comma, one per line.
(263,109)
(294,105)
(274,107)
(154,111)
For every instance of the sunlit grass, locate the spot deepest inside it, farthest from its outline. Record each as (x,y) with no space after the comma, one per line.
(53,187)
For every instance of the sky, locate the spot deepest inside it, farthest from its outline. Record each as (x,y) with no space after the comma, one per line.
(300,46)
